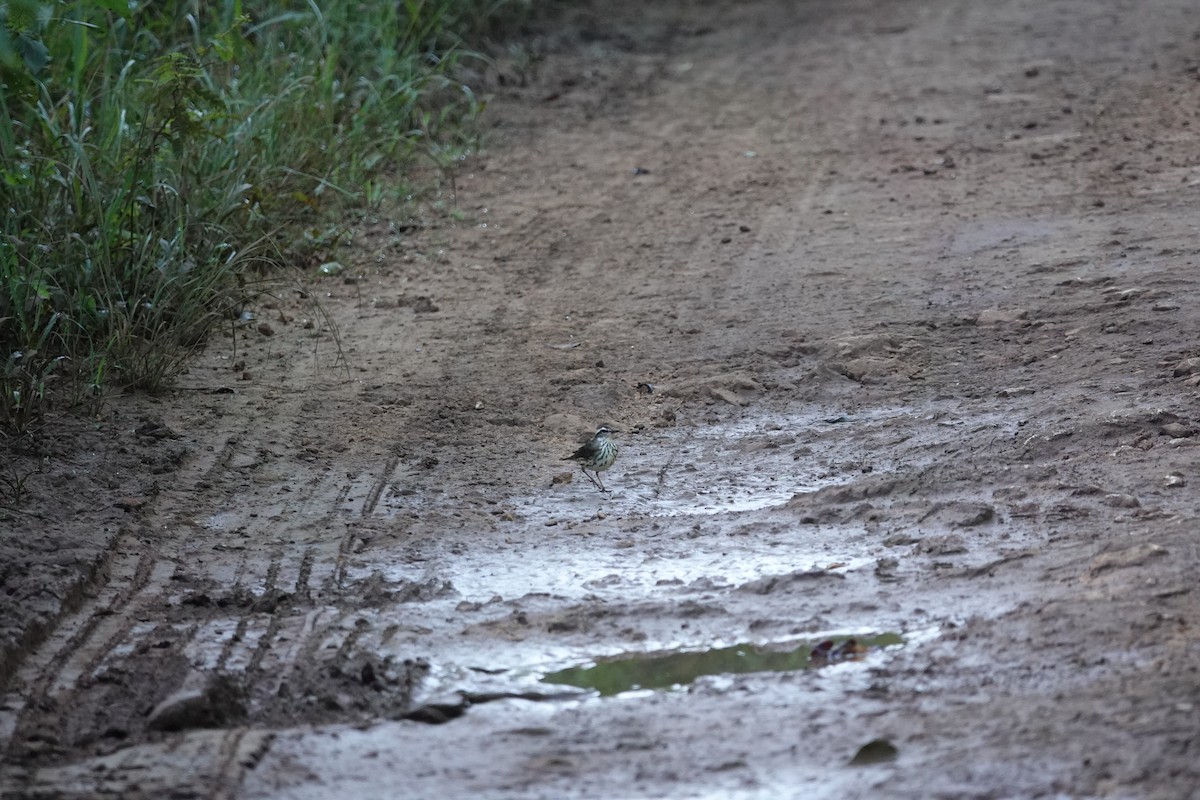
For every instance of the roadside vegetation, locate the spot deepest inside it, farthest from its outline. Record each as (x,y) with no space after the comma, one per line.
(154,156)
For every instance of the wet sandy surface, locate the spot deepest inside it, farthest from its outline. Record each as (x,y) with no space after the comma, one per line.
(914,286)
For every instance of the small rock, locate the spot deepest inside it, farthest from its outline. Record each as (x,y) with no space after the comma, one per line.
(1160,416)
(1134,556)
(1177,430)
(998,316)
(423,305)
(972,514)
(439,711)
(1121,501)
(1188,366)
(1118,295)
(1174,481)
(724,395)
(1015,391)
(367,674)
(946,545)
(265,329)
(784,584)
(154,429)
(131,503)
(215,704)
(876,751)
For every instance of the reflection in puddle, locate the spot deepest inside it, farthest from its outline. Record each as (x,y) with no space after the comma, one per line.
(663,670)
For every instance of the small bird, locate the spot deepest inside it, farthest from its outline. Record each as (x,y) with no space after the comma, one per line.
(597,455)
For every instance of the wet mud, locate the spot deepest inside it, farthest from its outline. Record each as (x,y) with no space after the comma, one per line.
(893,305)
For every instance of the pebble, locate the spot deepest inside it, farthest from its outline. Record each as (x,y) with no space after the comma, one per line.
(183,709)
(1134,556)
(1121,501)
(131,503)
(974,514)
(1188,366)
(999,316)
(1177,430)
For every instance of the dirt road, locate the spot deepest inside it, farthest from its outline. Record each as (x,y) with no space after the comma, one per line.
(894,304)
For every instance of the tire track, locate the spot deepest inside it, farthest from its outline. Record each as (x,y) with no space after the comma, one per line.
(378,485)
(241,749)
(305,572)
(52,671)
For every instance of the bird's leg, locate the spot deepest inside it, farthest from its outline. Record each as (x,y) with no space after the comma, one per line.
(590,478)
(600,483)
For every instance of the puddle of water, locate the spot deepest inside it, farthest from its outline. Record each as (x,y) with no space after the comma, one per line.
(627,673)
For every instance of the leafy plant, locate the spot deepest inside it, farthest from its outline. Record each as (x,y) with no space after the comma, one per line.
(151,153)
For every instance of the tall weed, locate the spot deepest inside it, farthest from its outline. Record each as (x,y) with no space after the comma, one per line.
(151,152)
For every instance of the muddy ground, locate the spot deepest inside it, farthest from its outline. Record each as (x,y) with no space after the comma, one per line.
(914,288)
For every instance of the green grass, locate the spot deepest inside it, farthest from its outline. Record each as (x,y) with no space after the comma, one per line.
(151,153)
